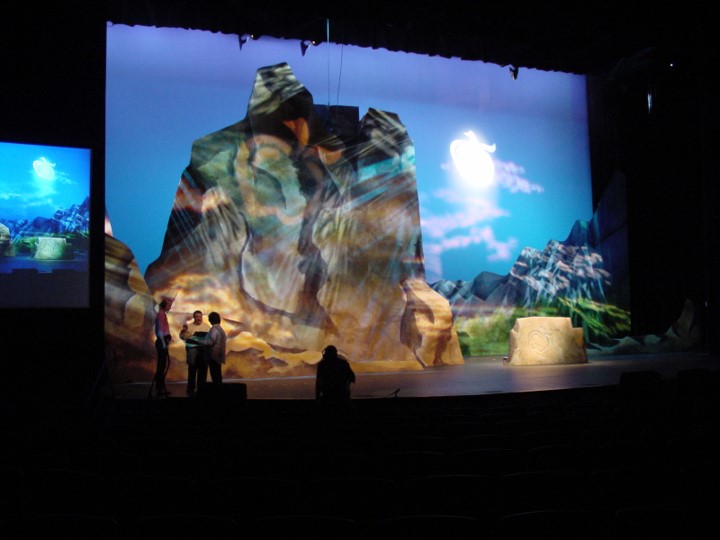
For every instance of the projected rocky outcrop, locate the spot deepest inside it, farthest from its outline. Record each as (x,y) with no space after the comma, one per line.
(129,316)
(590,264)
(301,231)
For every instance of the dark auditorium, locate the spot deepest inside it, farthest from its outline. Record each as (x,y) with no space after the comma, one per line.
(500,219)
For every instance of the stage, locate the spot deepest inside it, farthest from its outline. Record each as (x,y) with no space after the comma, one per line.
(478,376)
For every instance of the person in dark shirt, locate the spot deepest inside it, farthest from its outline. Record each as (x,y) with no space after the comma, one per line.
(333,379)
(216,343)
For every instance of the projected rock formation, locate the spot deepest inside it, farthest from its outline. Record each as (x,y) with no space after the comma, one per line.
(300,236)
(5,241)
(129,315)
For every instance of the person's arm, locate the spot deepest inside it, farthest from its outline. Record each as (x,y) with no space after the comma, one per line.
(318,382)
(211,337)
(158,333)
(350,372)
(209,342)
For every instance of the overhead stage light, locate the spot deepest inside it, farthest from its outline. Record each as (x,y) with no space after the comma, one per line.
(304,44)
(243,39)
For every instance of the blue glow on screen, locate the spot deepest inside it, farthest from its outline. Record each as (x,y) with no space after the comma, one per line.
(37,180)
(44,226)
(168,87)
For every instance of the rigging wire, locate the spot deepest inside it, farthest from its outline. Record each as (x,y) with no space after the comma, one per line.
(342,49)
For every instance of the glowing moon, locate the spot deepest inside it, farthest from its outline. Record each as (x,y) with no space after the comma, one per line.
(44,169)
(472,160)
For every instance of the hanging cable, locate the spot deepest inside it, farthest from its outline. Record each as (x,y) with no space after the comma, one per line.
(342,49)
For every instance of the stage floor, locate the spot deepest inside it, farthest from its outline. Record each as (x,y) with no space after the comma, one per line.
(478,376)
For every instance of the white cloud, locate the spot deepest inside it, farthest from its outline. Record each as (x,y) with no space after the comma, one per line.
(508,176)
(475,210)
(468,225)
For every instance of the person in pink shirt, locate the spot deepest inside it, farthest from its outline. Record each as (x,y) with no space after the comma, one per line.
(162,341)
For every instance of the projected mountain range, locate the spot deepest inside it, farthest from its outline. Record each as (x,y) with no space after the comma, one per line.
(300,229)
(589,265)
(75,219)
(18,236)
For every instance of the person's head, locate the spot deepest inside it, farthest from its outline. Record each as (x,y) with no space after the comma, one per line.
(214,318)
(197,316)
(165,304)
(330,352)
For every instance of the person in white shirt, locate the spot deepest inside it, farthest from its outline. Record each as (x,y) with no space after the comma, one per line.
(194,351)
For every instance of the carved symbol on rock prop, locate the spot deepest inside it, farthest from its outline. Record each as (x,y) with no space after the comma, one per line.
(539,340)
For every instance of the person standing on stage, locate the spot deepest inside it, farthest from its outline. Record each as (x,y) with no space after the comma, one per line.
(215,341)
(332,381)
(194,351)
(162,341)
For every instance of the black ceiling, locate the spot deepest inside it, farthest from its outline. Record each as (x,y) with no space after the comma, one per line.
(574,37)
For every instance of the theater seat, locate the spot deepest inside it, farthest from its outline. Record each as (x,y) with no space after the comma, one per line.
(182,527)
(427,526)
(555,524)
(64,525)
(315,526)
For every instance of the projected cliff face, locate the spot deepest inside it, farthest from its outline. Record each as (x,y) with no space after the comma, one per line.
(300,232)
